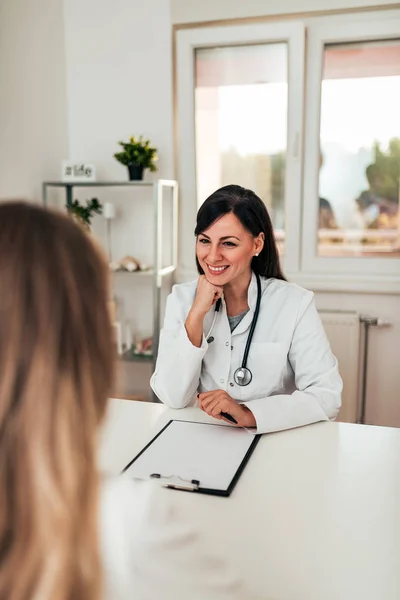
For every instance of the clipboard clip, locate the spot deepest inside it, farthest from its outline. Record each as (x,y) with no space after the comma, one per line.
(177,483)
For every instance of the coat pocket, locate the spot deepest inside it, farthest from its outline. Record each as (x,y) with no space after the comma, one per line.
(268,363)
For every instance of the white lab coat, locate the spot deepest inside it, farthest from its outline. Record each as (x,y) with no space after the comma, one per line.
(152,551)
(295,375)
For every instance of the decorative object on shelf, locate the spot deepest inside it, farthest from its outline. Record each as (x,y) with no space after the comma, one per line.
(109,214)
(77,171)
(83,213)
(144,347)
(128,263)
(137,155)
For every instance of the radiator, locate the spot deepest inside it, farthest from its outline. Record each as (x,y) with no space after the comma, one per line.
(343,330)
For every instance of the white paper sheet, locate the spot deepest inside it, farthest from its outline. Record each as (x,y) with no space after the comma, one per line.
(209,453)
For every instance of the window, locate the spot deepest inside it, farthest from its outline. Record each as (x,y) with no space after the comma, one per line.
(240,121)
(315,132)
(241,104)
(350,229)
(360,150)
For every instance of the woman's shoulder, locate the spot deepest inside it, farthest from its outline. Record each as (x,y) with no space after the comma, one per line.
(132,521)
(120,491)
(121,509)
(123,506)
(187,287)
(288,300)
(286,290)
(150,549)
(125,499)
(184,292)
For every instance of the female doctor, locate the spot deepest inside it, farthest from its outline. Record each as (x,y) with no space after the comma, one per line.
(248,345)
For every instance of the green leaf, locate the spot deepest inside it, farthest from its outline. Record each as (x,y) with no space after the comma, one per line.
(85,212)
(137,151)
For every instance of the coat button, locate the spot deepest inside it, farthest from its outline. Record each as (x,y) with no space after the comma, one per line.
(231,384)
(222,380)
(226,343)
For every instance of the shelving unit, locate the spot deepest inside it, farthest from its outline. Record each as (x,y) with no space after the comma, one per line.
(158,271)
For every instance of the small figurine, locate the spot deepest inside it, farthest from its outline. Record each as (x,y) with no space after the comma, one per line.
(128,263)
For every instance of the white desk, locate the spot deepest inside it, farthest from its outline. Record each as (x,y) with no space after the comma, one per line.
(314,516)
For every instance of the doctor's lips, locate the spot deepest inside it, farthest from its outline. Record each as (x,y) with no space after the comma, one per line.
(217,270)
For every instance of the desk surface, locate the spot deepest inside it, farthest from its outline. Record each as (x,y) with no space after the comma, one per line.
(314,516)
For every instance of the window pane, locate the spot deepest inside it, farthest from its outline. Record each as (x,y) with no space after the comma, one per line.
(241,122)
(360,150)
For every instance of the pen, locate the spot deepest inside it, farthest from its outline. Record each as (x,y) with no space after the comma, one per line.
(228,417)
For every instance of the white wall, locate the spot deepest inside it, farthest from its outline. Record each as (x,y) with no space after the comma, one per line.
(194,11)
(119,83)
(33,125)
(118,79)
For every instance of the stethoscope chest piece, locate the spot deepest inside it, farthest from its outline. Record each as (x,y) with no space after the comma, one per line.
(242,376)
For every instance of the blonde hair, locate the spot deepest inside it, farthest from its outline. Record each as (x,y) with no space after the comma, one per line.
(56,371)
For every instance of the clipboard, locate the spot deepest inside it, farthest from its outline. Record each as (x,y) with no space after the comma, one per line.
(196,457)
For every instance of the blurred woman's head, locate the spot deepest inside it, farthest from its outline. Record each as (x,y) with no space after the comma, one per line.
(234,233)
(56,372)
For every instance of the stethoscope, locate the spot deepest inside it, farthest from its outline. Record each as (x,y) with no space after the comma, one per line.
(242,375)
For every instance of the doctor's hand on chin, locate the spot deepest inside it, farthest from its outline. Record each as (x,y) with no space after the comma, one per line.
(216,402)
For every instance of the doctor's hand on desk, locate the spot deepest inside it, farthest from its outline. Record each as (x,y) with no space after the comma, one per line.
(216,402)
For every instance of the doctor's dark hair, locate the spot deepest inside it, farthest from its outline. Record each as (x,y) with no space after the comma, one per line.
(253,215)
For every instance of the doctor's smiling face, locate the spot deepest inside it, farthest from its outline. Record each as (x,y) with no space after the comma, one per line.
(225,250)
(234,235)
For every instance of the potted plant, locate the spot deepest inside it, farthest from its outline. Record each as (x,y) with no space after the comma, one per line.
(83,213)
(137,155)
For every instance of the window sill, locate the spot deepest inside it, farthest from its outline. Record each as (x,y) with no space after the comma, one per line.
(372,284)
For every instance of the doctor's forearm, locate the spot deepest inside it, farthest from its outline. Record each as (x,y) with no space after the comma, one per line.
(286,411)
(194,327)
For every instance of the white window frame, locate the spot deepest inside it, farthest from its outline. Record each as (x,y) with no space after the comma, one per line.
(345,273)
(188,40)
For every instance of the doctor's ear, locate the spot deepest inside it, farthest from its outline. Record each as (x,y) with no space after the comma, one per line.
(259,243)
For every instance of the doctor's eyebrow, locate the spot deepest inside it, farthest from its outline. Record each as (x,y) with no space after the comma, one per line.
(225,237)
